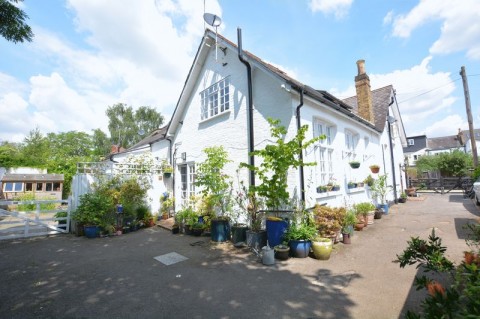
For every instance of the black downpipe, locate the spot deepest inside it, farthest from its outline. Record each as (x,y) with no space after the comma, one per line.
(393,163)
(300,155)
(251,159)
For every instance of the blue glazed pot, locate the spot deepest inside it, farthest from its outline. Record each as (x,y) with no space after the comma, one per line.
(275,231)
(220,230)
(300,248)
(90,231)
(384,207)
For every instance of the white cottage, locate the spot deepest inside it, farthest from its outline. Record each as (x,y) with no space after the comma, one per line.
(228,96)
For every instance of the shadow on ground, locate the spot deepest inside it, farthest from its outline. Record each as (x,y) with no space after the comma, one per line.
(72,277)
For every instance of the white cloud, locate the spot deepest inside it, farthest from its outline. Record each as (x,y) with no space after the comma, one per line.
(135,53)
(460,28)
(388,18)
(337,7)
(447,126)
(423,96)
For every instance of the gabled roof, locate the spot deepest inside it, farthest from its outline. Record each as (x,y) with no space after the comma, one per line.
(443,143)
(382,98)
(155,136)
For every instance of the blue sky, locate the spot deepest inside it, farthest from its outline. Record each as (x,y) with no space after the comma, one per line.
(90,54)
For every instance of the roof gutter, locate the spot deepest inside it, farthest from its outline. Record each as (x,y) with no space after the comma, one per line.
(251,158)
(300,155)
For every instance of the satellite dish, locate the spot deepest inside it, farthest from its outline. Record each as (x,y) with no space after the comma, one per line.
(212,19)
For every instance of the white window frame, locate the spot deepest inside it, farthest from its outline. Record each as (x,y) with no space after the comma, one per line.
(323,127)
(187,183)
(351,143)
(411,142)
(215,99)
(14,187)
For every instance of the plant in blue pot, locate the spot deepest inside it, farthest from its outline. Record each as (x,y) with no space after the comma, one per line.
(299,234)
(380,190)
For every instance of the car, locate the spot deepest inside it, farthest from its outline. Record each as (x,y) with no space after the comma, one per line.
(476,191)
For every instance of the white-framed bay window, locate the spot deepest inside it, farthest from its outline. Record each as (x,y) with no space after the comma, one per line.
(187,183)
(324,150)
(215,99)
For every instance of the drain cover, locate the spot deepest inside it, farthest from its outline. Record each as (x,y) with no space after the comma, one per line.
(335,281)
(170,258)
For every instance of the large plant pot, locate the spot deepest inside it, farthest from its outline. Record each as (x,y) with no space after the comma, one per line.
(220,230)
(322,249)
(378,214)
(197,231)
(239,233)
(300,248)
(359,226)
(275,231)
(91,231)
(257,239)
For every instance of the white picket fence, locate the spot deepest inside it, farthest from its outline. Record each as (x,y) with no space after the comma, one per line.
(29,223)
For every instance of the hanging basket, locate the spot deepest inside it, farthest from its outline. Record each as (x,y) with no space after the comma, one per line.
(375,169)
(354,164)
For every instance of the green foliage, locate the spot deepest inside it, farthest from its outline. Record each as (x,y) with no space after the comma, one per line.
(349,220)
(380,188)
(12,22)
(277,159)
(363,208)
(124,124)
(369,180)
(29,196)
(328,220)
(101,144)
(95,209)
(476,173)
(211,177)
(457,300)
(10,154)
(454,163)
(303,229)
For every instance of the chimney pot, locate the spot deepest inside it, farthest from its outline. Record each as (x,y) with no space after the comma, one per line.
(361,67)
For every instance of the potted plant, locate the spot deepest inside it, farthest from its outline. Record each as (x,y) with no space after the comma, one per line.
(351,185)
(216,188)
(167,204)
(374,168)
(367,210)
(380,190)
(354,164)
(277,159)
(321,189)
(328,220)
(322,247)
(299,235)
(197,229)
(92,211)
(348,223)
(369,181)
(281,251)
(403,198)
(167,169)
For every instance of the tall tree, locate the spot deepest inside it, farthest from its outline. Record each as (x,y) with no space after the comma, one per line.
(128,127)
(70,144)
(10,155)
(12,22)
(35,150)
(101,143)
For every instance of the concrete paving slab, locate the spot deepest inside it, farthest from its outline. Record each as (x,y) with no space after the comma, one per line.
(170,258)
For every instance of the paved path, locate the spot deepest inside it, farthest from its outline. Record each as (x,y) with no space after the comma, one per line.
(73,277)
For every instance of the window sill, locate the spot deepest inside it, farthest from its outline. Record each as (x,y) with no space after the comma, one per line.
(215,116)
(355,190)
(328,194)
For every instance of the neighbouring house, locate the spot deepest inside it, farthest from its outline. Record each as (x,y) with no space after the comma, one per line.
(416,147)
(443,144)
(227,98)
(467,144)
(18,181)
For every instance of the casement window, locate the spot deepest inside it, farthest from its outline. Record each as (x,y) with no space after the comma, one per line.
(187,183)
(39,187)
(321,127)
(324,157)
(29,187)
(215,99)
(50,187)
(351,140)
(411,141)
(13,187)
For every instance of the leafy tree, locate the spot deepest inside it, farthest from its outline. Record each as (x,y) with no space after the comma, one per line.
(101,143)
(12,22)
(125,125)
(70,144)
(35,149)
(10,154)
(454,163)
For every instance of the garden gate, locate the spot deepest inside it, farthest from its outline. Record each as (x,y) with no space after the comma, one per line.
(21,219)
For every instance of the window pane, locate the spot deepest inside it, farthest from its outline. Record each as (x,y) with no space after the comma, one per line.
(18,187)
(28,187)
(56,187)
(8,187)
(49,187)
(39,187)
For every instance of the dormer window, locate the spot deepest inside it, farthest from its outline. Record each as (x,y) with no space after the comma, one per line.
(411,142)
(215,99)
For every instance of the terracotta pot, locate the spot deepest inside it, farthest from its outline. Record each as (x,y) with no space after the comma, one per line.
(370,217)
(375,170)
(359,226)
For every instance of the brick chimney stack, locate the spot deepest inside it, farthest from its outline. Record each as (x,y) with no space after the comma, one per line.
(364,94)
